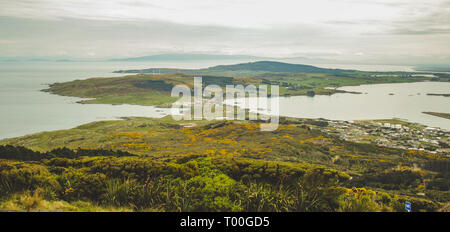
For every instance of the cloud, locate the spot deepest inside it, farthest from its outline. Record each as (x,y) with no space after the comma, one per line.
(232,13)
(115,38)
(382,30)
(437,22)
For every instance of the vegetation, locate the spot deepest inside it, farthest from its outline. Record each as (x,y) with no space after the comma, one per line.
(137,89)
(141,164)
(144,164)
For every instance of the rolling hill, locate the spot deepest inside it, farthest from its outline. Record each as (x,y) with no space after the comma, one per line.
(273,66)
(246,68)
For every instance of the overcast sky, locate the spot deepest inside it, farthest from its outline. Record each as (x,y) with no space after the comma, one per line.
(405,31)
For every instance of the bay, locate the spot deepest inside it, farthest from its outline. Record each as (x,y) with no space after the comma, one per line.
(24,109)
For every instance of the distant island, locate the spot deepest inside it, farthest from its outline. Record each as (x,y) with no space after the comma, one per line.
(442,115)
(158,57)
(187,57)
(152,86)
(439,94)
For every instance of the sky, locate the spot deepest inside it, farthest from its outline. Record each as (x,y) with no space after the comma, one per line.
(359,31)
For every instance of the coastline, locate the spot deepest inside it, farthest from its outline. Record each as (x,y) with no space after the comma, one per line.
(441,115)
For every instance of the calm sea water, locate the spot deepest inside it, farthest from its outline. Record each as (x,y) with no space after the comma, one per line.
(408,102)
(24,109)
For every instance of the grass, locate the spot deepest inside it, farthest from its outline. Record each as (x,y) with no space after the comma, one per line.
(123,90)
(148,99)
(34,202)
(221,156)
(163,138)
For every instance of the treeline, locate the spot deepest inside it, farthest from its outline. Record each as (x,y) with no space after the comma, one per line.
(25,154)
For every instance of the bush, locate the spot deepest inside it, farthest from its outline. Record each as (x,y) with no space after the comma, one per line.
(19,176)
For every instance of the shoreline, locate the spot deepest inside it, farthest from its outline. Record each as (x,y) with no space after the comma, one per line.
(125,118)
(83,101)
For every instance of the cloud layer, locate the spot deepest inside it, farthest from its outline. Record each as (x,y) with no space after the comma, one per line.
(369,31)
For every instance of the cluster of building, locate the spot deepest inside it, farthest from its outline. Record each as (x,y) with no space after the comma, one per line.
(394,135)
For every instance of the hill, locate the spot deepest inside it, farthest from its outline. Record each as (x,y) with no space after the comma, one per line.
(146,164)
(273,66)
(250,69)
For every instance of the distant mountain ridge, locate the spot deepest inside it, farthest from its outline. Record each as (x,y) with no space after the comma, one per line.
(184,57)
(159,57)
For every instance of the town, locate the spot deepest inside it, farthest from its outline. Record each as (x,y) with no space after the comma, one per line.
(393,134)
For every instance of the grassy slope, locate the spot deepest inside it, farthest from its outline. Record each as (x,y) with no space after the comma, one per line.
(123,90)
(140,89)
(163,138)
(297,145)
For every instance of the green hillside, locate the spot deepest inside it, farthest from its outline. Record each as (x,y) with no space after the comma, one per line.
(142,164)
(272,66)
(258,66)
